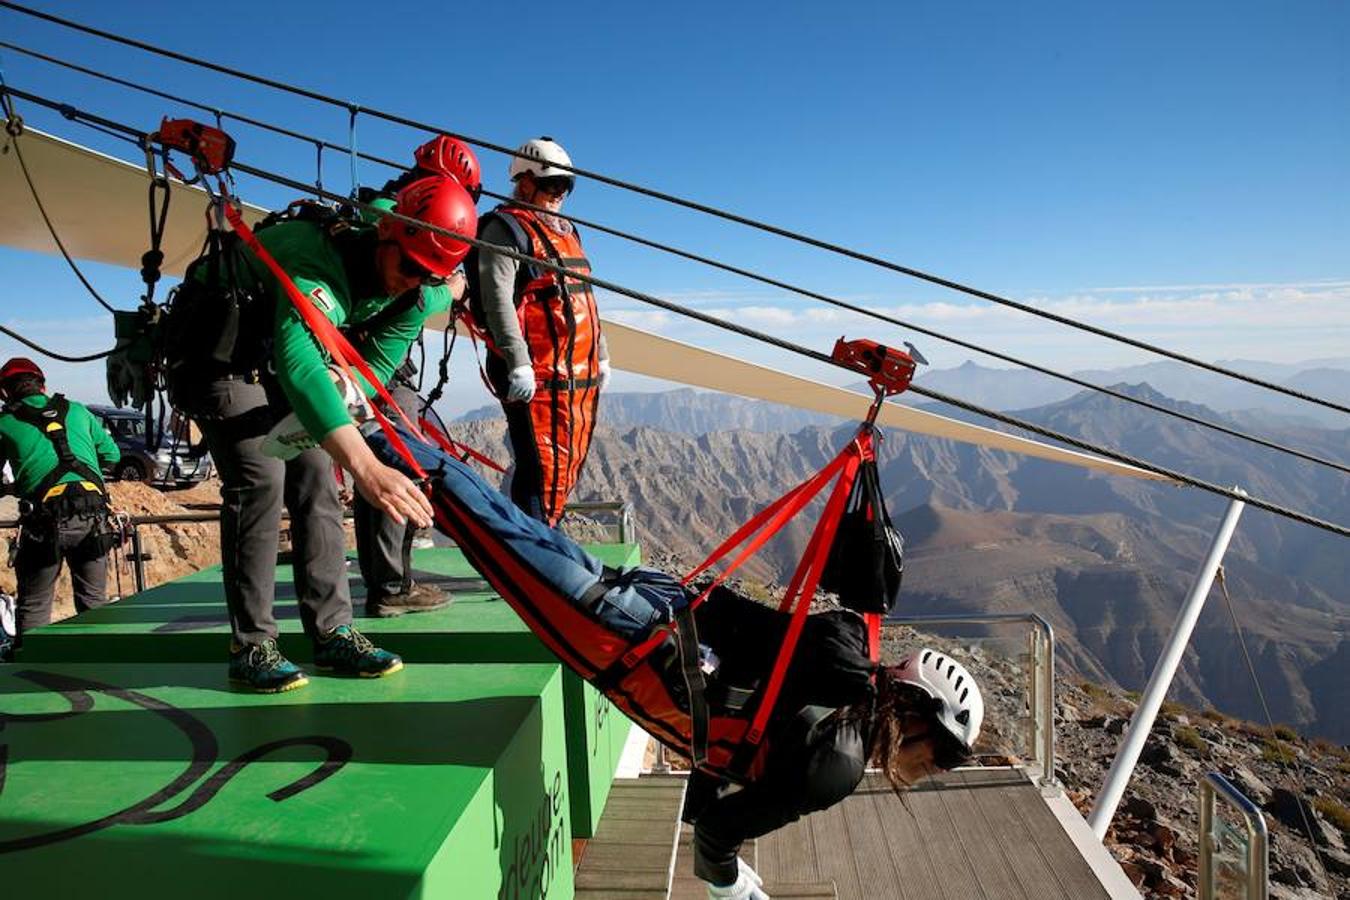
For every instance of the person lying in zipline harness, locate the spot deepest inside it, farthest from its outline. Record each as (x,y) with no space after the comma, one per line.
(837,710)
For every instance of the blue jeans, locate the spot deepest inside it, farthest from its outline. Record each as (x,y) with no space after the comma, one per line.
(641,598)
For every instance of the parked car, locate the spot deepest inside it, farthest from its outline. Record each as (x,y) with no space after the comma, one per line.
(172,462)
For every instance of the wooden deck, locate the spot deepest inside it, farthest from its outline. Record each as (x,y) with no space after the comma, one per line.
(970,834)
(633,851)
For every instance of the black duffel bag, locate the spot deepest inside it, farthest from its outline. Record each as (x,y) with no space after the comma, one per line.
(867,559)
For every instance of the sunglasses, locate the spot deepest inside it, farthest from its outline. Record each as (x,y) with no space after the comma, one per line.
(410,268)
(555,184)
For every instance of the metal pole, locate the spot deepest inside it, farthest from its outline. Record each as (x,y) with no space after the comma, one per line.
(1205,887)
(137,558)
(1045,640)
(1142,722)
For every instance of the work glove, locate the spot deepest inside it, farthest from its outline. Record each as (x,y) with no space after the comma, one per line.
(127,381)
(745,888)
(520,384)
(604,374)
(288,438)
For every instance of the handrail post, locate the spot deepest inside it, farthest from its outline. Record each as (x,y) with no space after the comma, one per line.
(1122,768)
(1045,671)
(137,558)
(1257,862)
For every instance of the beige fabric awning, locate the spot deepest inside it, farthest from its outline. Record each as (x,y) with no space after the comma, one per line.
(644,353)
(98,204)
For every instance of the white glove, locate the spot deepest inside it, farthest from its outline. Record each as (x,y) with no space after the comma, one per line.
(604,374)
(520,387)
(288,438)
(744,868)
(745,888)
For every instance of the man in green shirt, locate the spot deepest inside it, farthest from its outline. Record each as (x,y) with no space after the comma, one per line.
(55,447)
(350,272)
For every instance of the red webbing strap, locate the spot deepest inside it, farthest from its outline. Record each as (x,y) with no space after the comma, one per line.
(873,621)
(768,521)
(327,334)
(462,452)
(803,589)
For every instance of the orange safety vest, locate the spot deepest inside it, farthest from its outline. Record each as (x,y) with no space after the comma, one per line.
(561,326)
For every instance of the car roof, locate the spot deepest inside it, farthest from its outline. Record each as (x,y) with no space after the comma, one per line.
(112,412)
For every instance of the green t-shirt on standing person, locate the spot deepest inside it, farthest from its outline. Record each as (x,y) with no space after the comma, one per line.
(31,455)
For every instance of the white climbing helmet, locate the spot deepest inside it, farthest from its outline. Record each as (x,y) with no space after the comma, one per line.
(540,158)
(947,681)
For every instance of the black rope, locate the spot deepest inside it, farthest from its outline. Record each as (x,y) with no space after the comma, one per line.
(14,133)
(52,353)
(589,278)
(691,204)
(322,145)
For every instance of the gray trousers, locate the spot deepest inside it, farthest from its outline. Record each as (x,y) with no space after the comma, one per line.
(384,547)
(38,563)
(234,416)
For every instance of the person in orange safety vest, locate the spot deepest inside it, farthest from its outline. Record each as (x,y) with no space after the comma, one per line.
(547,359)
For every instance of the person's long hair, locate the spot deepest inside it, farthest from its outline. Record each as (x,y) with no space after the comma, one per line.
(895,707)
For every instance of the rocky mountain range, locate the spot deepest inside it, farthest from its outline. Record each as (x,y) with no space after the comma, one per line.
(1106,560)
(1007,389)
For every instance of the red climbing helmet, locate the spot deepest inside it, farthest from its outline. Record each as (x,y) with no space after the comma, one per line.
(440,201)
(449,156)
(20,365)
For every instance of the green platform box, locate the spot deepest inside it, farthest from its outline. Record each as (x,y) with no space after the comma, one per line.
(185,622)
(151,781)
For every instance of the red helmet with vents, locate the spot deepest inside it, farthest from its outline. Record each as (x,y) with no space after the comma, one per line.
(449,156)
(440,201)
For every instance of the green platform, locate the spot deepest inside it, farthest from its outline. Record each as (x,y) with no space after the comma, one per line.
(152,781)
(184,621)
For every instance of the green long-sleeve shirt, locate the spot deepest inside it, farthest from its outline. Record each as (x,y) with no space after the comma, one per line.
(31,455)
(339,275)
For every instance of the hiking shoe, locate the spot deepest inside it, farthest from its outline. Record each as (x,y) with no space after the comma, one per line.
(346,651)
(418,598)
(262,668)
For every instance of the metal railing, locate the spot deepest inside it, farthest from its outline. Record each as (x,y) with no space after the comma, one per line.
(1041,683)
(621,507)
(1217,836)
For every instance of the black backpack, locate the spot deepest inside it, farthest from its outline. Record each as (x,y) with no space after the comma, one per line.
(867,560)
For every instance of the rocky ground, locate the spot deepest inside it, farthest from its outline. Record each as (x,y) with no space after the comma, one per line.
(172,551)
(1155,832)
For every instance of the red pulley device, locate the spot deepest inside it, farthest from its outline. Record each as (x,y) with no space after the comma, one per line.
(211,149)
(888,370)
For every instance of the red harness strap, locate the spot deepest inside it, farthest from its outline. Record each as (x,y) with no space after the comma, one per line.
(802,590)
(327,334)
(462,452)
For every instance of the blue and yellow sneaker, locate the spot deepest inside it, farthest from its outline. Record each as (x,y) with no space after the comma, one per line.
(346,651)
(262,668)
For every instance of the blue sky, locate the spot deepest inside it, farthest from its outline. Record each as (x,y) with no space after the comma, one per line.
(1180,172)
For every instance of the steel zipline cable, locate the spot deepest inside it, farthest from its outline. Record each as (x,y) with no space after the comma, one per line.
(221,114)
(136,136)
(354,109)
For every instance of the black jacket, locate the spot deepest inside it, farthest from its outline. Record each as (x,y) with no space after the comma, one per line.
(816,755)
